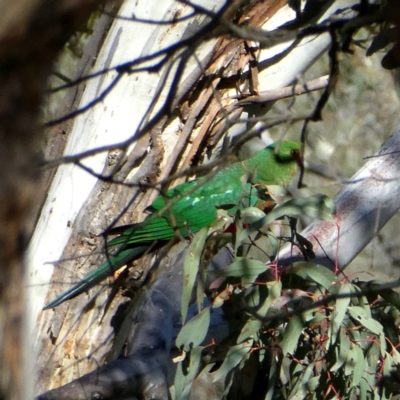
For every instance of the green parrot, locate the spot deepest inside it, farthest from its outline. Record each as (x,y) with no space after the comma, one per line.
(193,205)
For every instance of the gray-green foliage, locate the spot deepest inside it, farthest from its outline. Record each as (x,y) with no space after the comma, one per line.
(304,333)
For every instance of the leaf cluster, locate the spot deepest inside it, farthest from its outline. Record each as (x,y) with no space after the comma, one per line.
(301,333)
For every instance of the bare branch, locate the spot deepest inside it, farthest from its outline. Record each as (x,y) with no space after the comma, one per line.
(278,94)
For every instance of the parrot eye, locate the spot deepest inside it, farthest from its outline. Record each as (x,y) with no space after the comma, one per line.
(295,154)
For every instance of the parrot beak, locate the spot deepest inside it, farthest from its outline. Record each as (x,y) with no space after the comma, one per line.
(298,158)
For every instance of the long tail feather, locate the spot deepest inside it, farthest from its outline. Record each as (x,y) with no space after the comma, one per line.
(103,271)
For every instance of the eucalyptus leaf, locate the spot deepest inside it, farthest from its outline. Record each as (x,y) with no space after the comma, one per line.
(340,311)
(396,356)
(342,351)
(350,363)
(359,314)
(308,373)
(291,335)
(191,269)
(344,346)
(179,381)
(359,362)
(234,356)
(364,389)
(312,384)
(314,272)
(338,362)
(388,295)
(252,326)
(272,378)
(387,368)
(225,295)
(247,269)
(278,193)
(253,298)
(317,206)
(298,390)
(251,215)
(372,357)
(194,331)
(353,331)
(184,382)
(274,292)
(255,219)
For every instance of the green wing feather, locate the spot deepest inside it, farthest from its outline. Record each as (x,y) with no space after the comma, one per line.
(193,206)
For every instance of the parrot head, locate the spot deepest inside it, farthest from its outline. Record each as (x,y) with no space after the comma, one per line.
(286,152)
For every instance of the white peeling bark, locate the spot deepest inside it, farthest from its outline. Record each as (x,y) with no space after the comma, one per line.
(115,120)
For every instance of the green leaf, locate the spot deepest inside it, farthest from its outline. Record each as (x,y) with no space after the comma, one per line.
(292,334)
(316,273)
(255,219)
(358,357)
(342,351)
(234,356)
(254,297)
(360,315)
(247,269)
(340,311)
(191,268)
(250,328)
(364,389)
(317,206)
(318,318)
(308,373)
(298,389)
(274,291)
(313,383)
(388,295)
(278,193)
(272,378)
(372,361)
(353,330)
(396,356)
(363,316)
(179,381)
(386,392)
(344,345)
(253,325)
(252,215)
(194,331)
(184,378)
